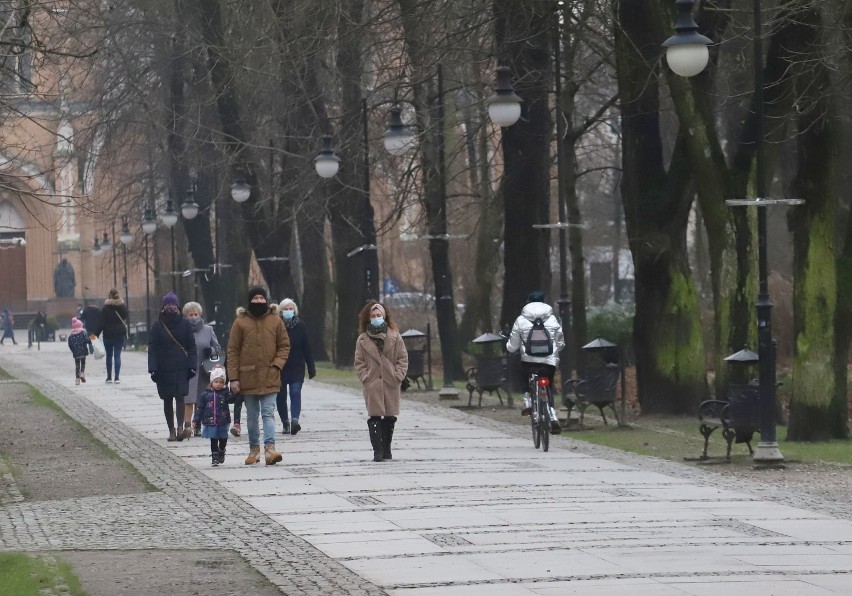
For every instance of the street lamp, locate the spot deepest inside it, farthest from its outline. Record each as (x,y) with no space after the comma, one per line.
(189,208)
(397,139)
(240,190)
(684,52)
(126,237)
(504,107)
(326,162)
(149,226)
(170,218)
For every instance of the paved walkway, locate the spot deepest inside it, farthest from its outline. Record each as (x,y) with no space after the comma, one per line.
(466,507)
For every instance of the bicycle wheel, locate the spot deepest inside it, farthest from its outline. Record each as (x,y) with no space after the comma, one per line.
(535,416)
(544,425)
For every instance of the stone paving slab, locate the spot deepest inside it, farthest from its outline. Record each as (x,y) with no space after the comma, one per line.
(467,506)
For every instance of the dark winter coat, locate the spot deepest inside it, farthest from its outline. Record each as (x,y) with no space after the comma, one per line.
(300,355)
(80,344)
(93,320)
(212,408)
(171,365)
(114,319)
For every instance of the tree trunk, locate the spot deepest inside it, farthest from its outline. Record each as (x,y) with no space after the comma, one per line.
(524,44)
(815,407)
(350,211)
(667,331)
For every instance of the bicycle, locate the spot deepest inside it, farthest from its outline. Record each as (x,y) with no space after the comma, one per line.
(540,400)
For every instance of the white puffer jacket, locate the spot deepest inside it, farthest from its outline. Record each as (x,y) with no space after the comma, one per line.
(523,325)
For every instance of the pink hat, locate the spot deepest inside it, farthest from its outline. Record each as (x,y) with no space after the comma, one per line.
(76,324)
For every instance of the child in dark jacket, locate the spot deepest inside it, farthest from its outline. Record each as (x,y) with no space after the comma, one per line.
(80,346)
(212,411)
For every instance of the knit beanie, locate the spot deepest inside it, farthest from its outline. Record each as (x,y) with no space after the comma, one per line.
(258,290)
(170,298)
(76,324)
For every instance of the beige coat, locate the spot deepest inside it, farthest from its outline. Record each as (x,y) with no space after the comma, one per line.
(257,351)
(381,374)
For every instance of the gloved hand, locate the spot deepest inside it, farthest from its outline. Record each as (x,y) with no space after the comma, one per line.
(208,352)
(312,374)
(190,373)
(154,376)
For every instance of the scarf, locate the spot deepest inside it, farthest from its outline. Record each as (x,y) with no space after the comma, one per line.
(292,322)
(170,314)
(378,335)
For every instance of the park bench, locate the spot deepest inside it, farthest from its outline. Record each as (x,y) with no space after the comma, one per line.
(489,375)
(598,387)
(738,417)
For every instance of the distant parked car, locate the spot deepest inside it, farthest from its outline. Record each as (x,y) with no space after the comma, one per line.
(402,300)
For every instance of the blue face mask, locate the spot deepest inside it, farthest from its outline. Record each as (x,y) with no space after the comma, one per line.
(288,314)
(377,322)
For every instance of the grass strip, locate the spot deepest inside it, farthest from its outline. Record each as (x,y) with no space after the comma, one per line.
(32,575)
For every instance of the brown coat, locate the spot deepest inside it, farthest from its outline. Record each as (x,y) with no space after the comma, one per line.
(257,351)
(381,374)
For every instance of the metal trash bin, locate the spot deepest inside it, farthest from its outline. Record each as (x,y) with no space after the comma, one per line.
(419,360)
(491,372)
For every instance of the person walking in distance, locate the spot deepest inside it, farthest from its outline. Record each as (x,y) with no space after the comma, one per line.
(381,362)
(8,326)
(293,373)
(171,362)
(80,346)
(114,318)
(258,348)
(206,346)
(212,411)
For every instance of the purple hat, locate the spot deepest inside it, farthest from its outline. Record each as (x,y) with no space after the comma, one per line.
(170,298)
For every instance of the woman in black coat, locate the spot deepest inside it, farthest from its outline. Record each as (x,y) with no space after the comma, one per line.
(114,325)
(171,361)
(293,373)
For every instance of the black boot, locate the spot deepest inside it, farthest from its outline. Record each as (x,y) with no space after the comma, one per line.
(374,423)
(387,435)
(215,457)
(221,456)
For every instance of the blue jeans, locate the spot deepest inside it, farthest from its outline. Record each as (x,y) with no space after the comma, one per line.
(295,401)
(265,406)
(113,350)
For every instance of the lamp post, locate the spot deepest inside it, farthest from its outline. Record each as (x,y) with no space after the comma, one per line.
(687,55)
(170,218)
(149,226)
(105,248)
(126,237)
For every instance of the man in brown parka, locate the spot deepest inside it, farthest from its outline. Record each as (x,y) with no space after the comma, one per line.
(258,347)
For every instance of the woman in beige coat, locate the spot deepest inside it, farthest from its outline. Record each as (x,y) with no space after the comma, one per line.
(381,362)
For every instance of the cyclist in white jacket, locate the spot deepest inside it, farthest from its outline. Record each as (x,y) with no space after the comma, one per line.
(543,365)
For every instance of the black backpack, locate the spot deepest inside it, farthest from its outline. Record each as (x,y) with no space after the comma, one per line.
(538,340)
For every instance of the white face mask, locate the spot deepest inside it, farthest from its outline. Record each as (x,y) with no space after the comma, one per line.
(377,322)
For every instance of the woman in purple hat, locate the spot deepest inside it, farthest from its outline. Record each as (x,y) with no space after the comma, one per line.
(171,361)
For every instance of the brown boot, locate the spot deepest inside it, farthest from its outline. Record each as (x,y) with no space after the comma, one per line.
(272,456)
(254,455)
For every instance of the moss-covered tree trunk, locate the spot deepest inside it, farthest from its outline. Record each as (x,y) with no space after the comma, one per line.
(814,407)
(667,331)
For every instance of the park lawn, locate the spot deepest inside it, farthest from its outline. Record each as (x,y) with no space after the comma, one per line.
(25,575)
(677,438)
(4,376)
